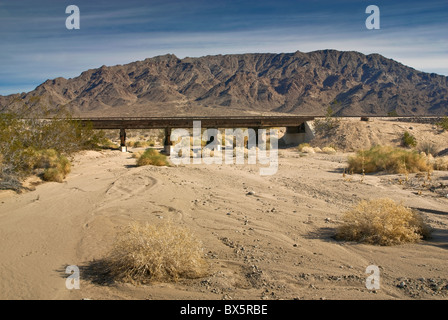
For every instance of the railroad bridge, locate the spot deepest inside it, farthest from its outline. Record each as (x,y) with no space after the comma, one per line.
(296,129)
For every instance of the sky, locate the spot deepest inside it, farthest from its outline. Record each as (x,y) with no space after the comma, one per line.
(35,44)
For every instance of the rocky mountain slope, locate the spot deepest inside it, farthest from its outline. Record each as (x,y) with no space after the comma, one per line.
(295,83)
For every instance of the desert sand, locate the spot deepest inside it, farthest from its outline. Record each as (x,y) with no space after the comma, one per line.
(266,237)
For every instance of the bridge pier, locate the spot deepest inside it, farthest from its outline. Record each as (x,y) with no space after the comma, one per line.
(256,135)
(167,141)
(123,147)
(212,139)
(295,135)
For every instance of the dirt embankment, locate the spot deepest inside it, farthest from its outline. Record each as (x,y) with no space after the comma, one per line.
(353,134)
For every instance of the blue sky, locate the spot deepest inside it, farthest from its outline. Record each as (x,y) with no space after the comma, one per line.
(35,45)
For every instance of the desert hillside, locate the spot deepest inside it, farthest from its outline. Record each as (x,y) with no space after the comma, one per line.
(295,83)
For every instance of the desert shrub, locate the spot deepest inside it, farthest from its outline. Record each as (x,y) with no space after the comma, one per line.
(108,144)
(388,159)
(151,143)
(392,113)
(302,145)
(25,137)
(164,252)
(137,154)
(56,166)
(328,150)
(382,222)
(428,148)
(408,140)
(323,126)
(8,180)
(152,157)
(440,163)
(443,123)
(317,150)
(140,144)
(308,150)
(53,174)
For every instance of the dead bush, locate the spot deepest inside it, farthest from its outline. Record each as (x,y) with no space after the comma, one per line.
(382,222)
(143,253)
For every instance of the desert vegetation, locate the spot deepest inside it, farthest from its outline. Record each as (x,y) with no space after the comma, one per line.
(392,113)
(325,125)
(439,163)
(382,222)
(388,159)
(307,148)
(408,140)
(152,157)
(428,148)
(30,145)
(138,144)
(443,123)
(163,252)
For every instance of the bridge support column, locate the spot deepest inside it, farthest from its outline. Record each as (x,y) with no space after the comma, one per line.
(295,135)
(256,136)
(212,136)
(167,141)
(123,147)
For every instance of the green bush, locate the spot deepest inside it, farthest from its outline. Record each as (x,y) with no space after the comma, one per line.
(323,126)
(408,140)
(152,157)
(28,143)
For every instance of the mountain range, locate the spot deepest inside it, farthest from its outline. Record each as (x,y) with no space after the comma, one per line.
(299,83)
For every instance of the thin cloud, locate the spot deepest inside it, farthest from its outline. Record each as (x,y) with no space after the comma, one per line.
(34,49)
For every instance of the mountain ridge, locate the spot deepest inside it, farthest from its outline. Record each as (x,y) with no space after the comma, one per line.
(294,83)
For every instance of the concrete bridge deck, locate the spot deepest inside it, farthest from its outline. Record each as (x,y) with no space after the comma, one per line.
(294,124)
(187,122)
